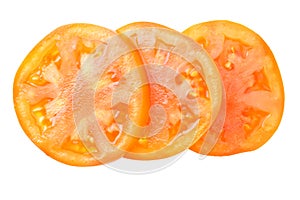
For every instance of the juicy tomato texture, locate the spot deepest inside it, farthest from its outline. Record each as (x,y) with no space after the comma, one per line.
(43,91)
(228,55)
(252,81)
(166,142)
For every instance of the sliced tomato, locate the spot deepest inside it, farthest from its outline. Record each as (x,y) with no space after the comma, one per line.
(169,141)
(44,87)
(252,81)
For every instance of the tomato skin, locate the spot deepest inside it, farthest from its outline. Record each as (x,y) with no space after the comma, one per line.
(253,84)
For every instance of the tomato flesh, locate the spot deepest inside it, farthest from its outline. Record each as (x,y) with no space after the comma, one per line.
(252,81)
(44,87)
(45,83)
(156,147)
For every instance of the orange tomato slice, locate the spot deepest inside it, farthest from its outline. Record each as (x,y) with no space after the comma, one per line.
(167,141)
(43,95)
(252,81)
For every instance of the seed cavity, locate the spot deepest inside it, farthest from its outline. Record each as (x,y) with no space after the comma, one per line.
(192,94)
(39,113)
(143,141)
(228,65)
(194,74)
(260,82)
(113,128)
(114,75)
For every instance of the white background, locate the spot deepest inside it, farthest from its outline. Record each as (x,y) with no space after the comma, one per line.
(271,172)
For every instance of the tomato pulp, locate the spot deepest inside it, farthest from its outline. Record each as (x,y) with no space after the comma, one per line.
(252,81)
(164,40)
(43,95)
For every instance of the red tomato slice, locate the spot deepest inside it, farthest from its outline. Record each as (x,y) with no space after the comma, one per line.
(254,89)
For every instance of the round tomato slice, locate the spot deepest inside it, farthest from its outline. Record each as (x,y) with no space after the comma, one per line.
(43,94)
(158,47)
(252,81)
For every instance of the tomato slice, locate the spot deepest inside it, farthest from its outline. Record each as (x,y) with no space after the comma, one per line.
(162,53)
(44,87)
(252,80)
